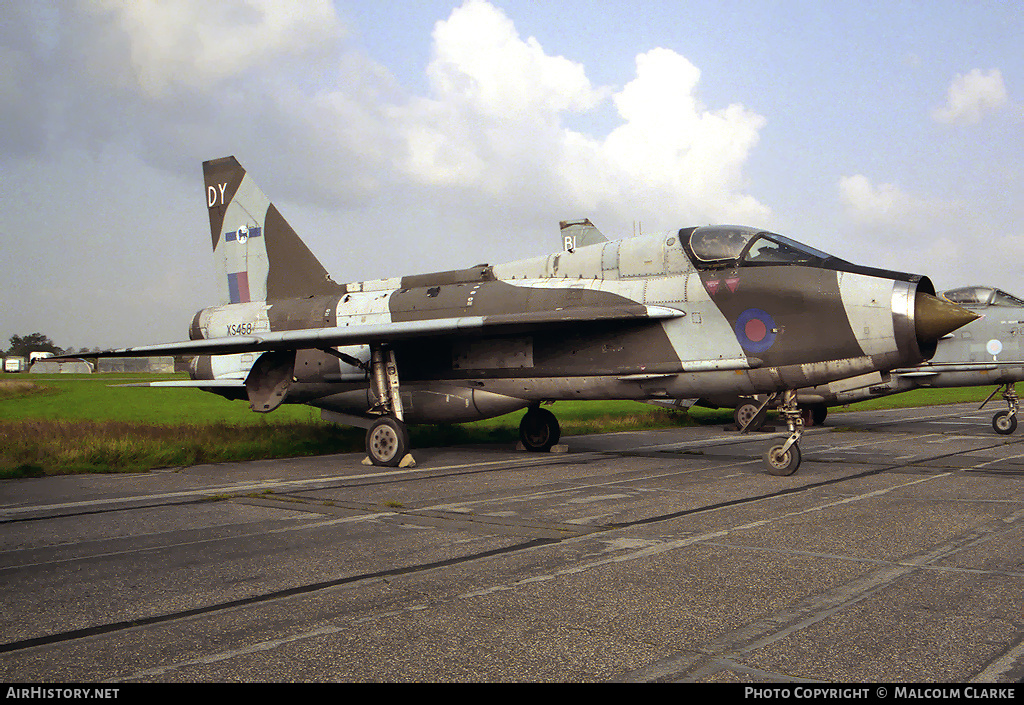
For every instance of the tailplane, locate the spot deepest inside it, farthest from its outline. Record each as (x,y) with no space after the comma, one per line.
(257,255)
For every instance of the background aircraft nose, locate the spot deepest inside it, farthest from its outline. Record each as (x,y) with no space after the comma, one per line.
(935,318)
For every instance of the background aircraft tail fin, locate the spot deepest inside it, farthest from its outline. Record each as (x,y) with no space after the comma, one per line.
(579,233)
(257,255)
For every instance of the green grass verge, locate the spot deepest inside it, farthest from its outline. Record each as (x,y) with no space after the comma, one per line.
(33,448)
(61,424)
(95,398)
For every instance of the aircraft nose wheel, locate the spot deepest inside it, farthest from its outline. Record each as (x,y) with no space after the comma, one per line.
(1004,423)
(387,441)
(783,457)
(781,462)
(539,430)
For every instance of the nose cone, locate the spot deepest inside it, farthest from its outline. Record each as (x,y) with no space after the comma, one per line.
(935,318)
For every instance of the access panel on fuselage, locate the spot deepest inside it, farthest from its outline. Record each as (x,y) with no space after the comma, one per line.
(580,349)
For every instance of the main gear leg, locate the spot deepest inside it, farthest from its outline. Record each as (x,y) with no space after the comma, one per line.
(387,440)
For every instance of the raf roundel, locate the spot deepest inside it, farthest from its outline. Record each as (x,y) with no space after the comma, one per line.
(756,330)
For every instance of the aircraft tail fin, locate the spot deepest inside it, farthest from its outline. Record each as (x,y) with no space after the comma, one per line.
(579,233)
(257,255)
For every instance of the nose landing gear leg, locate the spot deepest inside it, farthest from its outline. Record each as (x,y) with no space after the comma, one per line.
(1005,422)
(783,458)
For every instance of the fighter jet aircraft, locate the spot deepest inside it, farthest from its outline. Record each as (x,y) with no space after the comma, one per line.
(697,311)
(984,352)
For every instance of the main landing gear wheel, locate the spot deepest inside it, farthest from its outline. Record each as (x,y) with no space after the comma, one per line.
(814,415)
(387,441)
(746,413)
(539,430)
(782,463)
(1004,423)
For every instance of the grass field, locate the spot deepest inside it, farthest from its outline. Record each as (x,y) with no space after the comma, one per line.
(60,424)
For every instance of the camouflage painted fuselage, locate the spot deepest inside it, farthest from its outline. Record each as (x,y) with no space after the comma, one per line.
(988,351)
(696,312)
(738,330)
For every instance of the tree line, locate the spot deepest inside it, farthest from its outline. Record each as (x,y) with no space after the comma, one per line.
(22,345)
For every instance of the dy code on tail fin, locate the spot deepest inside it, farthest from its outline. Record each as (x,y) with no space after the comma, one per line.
(257,255)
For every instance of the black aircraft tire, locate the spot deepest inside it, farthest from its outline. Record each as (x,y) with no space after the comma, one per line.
(387,441)
(1004,424)
(780,463)
(814,414)
(747,411)
(539,430)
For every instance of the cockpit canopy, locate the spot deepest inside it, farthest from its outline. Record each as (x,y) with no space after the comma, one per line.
(981,296)
(718,246)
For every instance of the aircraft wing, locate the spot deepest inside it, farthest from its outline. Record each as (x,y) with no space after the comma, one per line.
(201,383)
(363,334)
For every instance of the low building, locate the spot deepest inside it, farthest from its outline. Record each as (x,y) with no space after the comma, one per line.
(50,367)
(136,364)
(15,363)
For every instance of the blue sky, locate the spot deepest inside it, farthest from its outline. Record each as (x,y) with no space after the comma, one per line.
(407,137)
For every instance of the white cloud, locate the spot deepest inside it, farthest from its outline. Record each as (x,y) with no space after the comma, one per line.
(495,103)
(198,44)
(888,207)
(185,80)
(944,239)
(866,202)
(180,81)
(480,61)
(493,122)
(689,158)
(971,97)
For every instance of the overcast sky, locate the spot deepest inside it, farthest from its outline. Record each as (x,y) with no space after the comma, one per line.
(407,137)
